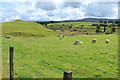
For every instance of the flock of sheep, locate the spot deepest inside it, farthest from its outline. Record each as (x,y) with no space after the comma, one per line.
(93,41)
(78,42)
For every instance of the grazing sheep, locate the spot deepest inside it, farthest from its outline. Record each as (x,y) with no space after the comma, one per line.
(98,69)
(107,40)
(94,40)
(35,36)
(76,35)
(85,36)
(76,42)
(80,42)
(61,37)
(8,37)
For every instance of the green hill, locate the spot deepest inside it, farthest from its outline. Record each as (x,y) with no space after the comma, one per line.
(25,29)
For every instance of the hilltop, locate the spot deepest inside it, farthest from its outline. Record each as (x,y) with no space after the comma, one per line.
(25,29)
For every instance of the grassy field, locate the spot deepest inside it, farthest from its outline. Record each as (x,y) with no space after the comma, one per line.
(69,28)
(49,57)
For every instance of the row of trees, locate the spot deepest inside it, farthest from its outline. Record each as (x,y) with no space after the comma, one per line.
(106,30)
(116,22)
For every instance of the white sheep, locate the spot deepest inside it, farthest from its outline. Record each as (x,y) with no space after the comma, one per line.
(85,36)
(35,36)
(94,40)
(80,42)
(8,37)
(107,40)
(76,42)
(61,37)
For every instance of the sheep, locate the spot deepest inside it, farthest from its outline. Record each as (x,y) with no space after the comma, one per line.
(107,40)
(76,42)
(61,36)
(8,37)
(85,36)
(98,69)
(94,40)
(80,42)
(76,35)
(35,36)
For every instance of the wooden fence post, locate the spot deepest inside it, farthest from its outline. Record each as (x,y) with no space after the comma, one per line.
(11,63)
(67,75)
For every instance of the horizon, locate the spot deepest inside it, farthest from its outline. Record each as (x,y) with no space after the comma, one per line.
(57,10)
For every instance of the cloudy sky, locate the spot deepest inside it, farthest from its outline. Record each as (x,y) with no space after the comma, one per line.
(57,10)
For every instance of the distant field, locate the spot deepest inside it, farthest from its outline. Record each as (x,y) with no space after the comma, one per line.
(48,56)
(76,28)
(75,24)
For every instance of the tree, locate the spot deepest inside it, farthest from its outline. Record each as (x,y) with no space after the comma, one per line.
(62,24)
(104,29)
(101,21)
(70,27)
(105,22)
(110,22)
(98,28)
(113,29)
(116,22)
(81,26)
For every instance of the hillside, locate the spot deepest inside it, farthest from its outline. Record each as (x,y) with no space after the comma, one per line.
(25,29)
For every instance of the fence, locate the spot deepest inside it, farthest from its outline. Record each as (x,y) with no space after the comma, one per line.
(67,74)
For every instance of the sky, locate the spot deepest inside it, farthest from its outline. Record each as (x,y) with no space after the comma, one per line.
(57,10)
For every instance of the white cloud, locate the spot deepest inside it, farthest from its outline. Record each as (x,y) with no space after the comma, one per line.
(64,11)
(12,18)
(86,2)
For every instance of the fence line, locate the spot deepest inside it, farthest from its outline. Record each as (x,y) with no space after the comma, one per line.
(67,74)
(11,63)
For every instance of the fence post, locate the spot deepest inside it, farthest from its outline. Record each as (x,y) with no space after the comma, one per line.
(11,63)
(67,75)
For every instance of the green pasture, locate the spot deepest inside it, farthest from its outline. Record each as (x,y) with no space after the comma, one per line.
(49,56)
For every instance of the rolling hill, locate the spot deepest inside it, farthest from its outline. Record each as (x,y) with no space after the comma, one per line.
(25,29)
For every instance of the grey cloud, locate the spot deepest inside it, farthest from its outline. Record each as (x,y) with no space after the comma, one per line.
(100,9)
(72,4)
(46,5)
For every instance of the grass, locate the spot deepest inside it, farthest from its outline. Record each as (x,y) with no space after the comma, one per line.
(49,57)
(25,29)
